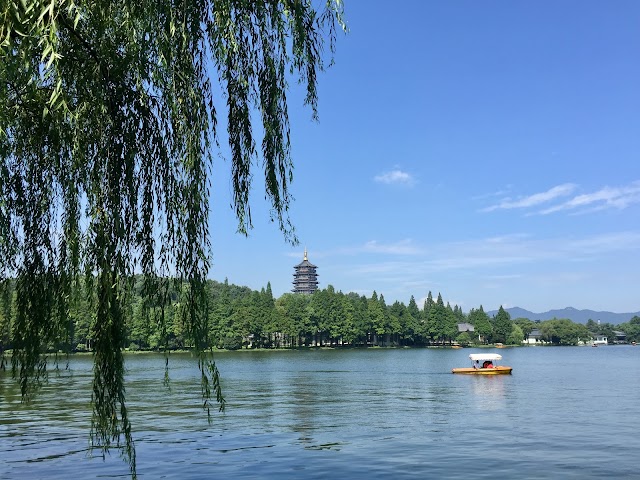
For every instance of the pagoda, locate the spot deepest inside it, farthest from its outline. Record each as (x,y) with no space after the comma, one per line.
(305,278)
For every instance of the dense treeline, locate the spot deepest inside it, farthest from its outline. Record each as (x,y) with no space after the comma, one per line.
(239,317)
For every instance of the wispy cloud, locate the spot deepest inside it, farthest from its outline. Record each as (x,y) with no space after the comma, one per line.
(471,268)
(535,199)
(397,177)
(402,247)
(606,197)
(490,256)
(499,193)
(604,243)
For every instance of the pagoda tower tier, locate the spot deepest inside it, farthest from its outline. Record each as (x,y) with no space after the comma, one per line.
(305,278)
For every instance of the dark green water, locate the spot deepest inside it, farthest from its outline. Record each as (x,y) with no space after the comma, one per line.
(564,413)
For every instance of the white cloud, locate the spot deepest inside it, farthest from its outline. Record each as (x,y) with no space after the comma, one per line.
(535,199)
(609,242)
(606,197)
(402,247)
(397,177)
(488,270)
(495,259)
(499,193)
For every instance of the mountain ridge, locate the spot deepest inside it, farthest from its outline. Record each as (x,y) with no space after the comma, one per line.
(573,314)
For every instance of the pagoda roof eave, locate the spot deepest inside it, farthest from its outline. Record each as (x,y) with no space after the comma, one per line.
(306,263)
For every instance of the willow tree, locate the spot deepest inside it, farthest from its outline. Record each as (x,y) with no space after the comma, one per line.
(108,125)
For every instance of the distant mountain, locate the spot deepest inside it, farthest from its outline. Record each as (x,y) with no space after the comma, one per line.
(573,314)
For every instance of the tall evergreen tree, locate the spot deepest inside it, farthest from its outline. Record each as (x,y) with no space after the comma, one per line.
(426,328)
(459,314)
(412,308)
(428,304)
(437,320)
(296,323)
(502,325)
(376,314)
(481,323)
(362,322)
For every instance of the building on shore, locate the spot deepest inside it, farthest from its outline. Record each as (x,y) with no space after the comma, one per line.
(305,278)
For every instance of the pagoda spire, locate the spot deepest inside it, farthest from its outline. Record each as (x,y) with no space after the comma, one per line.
(305,253)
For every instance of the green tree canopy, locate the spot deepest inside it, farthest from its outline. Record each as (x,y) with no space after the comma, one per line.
(441,321)
(480,321)
(412,308)
(563,331)
(516,336)
(108,122)
(502,325)
(632,329)
(525,325)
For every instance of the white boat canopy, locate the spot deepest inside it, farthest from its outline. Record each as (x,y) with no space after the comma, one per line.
(485,356)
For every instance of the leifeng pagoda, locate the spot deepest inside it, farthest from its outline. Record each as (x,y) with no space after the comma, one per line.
(305,278)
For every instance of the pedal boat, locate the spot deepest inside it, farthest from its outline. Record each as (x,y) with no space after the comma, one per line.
(479,359)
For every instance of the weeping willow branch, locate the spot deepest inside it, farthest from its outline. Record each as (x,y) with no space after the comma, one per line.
(108,121)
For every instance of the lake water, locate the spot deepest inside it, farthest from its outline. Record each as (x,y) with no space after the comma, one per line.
(565,412)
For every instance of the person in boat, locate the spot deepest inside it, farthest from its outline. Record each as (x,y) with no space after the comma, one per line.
(487,364)
(476,364)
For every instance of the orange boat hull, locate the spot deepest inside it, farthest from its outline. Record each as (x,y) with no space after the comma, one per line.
(499,370)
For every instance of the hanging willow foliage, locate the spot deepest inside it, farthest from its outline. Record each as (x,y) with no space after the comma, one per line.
(107,126)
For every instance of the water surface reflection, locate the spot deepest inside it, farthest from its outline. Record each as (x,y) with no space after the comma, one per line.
(356,414)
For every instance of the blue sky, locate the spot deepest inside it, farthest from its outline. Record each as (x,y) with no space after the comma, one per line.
(484,150)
